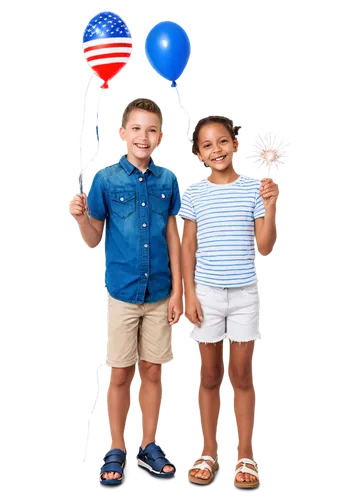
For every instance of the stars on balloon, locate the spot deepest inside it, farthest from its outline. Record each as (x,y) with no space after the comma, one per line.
(104,29)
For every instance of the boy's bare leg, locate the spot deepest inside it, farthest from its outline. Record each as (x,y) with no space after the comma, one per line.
(212,371)
(118,405)
(150,396)
(240,372)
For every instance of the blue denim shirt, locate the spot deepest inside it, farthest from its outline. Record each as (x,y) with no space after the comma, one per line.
(136,208)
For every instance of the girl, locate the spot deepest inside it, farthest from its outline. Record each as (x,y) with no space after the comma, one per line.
(222,215)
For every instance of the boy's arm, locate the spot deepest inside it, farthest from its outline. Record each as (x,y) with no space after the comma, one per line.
(91,222)
(188,256)
(91,232)
(173,243)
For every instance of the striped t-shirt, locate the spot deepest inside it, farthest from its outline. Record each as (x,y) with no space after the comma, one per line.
(225,215)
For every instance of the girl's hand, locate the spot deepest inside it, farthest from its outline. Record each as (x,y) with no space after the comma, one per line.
(270,192)
(192,310)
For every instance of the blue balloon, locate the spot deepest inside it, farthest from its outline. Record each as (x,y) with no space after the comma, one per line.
(168,49)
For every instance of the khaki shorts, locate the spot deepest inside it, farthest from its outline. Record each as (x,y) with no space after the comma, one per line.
(138,332)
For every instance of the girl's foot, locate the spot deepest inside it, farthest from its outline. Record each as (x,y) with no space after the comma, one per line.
(242,477)
(204,473)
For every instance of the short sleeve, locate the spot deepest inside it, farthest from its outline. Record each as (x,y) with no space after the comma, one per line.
(187,210)
(175,199)
(259,210)
(97,206)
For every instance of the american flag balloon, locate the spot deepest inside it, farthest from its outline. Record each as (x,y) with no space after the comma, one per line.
(107,45)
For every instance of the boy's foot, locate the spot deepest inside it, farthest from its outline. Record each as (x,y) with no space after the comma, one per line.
(111,475)
(167,468)
(112,470)
(152,458)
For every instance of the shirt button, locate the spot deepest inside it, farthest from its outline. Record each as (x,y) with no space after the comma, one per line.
(146,275)
(145,245)
(140,179)
(122,199)
(163,195)
(144,225)
(143,204)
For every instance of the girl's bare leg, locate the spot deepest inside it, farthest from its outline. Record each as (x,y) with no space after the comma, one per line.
(241,378)
(211,375)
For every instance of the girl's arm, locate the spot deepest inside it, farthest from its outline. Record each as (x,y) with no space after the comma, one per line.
(266,231)
(188,251)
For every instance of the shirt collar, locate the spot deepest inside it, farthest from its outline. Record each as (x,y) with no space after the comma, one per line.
(128,167)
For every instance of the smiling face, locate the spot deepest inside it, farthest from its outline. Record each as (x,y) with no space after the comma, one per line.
(142,133)
(216,146)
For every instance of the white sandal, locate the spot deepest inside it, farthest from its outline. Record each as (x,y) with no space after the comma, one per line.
(202,466)
(243,468)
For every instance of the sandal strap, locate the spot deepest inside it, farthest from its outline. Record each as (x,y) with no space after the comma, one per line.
(243,468)
(154,456)
(112,467)
(114,461)
(204,465)
(206,457)
(115,455)
(246,461)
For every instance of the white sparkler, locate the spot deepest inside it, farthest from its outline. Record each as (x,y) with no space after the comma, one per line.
(267,153)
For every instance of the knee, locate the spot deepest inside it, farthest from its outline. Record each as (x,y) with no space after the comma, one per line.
(122,376)
(241,378)
(211,378)
(150,372)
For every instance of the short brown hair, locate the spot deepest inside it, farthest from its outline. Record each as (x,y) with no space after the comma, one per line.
(145,105)
(233,131)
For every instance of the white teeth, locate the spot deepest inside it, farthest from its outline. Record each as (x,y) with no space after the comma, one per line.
(220,158)
(142,146)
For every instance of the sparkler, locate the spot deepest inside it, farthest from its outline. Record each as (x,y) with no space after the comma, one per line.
(268,153)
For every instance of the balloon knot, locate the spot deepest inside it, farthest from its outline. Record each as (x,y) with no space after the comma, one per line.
(173,84)
(105,85)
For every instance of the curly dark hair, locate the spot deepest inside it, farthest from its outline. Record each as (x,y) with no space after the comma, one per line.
(229,124)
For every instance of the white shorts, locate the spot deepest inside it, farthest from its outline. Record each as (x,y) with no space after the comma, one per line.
(231,313)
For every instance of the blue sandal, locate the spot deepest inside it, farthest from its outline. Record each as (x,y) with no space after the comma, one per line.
(152,458)
(114,461)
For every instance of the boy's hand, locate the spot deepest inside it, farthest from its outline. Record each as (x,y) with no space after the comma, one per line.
(193,310)
(268,192)
(79,207)
(175,309)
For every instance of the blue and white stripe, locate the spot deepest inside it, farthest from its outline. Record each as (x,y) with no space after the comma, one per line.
(225,215)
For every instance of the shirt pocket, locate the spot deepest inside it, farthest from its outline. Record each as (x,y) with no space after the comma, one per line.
(160,200)
(123,203)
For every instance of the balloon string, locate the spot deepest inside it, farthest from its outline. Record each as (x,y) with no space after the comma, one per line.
(84,166)
(97,126)
(187,114)
(92,412)
(83,129)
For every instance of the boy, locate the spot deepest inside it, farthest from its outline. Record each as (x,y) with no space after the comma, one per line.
(139,201)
